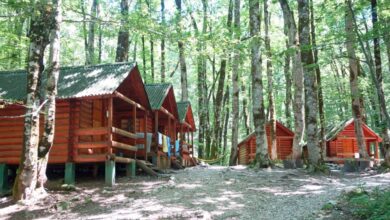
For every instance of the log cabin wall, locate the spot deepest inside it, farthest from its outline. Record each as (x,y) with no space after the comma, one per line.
(344,143)
(11,134)
(284,142)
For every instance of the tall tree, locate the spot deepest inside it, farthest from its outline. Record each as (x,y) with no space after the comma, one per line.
(271,102)
(52,73)
(378,81)
(297,72)
(122,49)
(353,79)
(287,76)
(235,82)
(183,65)
(259,119)
(310,82)
(91,59)
(203,147)
(45,20)
(218,117)
(319,83)
(162,50)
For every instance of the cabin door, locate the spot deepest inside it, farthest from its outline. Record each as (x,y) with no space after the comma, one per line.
(348,148)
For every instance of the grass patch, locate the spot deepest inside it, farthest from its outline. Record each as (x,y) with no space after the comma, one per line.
(361,204)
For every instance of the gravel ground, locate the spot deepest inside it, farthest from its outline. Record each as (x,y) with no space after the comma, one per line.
(209,192)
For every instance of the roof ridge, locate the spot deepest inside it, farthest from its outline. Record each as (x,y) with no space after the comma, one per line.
(158,84)
(23,71)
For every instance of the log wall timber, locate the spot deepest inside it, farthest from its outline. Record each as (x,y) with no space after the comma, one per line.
(284,140)
(344,144)
(11,134)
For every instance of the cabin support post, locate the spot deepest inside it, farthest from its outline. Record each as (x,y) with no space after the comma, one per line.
(4,188)
(70,173)
(376,155)
(154,157)
(110,172)
(145,135)
(130,169)
(192,143)
(133,168)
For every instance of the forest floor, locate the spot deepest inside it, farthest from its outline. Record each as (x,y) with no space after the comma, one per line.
(202,192)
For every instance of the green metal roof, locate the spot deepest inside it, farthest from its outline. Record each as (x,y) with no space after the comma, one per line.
(157,93)
(73,82)
(182,108)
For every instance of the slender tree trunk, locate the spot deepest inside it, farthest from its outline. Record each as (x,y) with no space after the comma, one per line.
(271,103)
(379,84)
(183,65)
(100,43)
(287,76)
(218,117)
(235,83)
(203,139)
(297,72)
(52,73)
(262,157)
(353,80)
(91,33)
(226,122)
(26,179)
(144,57)
(162,42)
(318,77)
(122,49)
(245,115)
(85,34)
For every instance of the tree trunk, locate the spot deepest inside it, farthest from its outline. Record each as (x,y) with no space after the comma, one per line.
(297,72)
(311,94)
(287,76)
(85,34)
(379,84)
(52,73)
(100,43)
(225,117)
(235,83)
(262,158)
(122,49)
(183,65)
(163,42)
(271,103)
(144,58)
(353,79)
(218,117)
(318,77)
(203,139)
(245,115)
(26,179)
(91,33)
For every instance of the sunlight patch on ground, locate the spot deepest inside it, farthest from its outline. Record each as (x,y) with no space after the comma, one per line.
(188,186)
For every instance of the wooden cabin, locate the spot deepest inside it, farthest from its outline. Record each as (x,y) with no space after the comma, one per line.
(284,143)
(341,141)
(100,109)
(164,120)
(185,129)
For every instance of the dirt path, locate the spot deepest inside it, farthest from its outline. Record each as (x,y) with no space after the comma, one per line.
(199,193)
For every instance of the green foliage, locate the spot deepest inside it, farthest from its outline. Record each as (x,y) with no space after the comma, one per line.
(374,205)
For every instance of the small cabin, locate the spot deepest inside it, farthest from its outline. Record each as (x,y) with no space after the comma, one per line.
(185,129)
(341,141)
(284,143)
(100,110)
(164,121)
